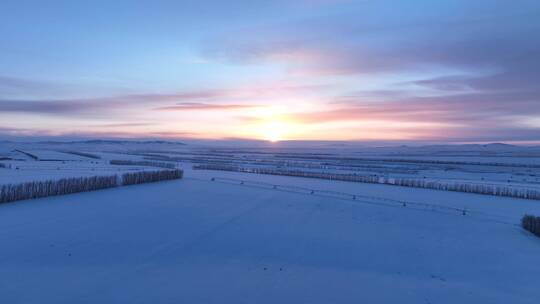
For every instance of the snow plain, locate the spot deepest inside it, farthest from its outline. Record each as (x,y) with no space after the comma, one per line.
(201,241)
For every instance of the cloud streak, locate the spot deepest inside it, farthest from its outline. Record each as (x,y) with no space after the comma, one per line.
(192,106)
(460,69)
(188,100)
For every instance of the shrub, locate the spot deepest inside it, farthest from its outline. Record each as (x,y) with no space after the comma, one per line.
(531,223)
(141,177)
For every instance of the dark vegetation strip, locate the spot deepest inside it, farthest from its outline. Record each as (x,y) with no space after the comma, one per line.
(83,154)
(289,164)
(34,157)
(531,223)
(38,189)
(410,161)
(141,177)
(142,163)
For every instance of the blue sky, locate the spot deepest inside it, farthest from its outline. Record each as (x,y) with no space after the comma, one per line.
(450,71)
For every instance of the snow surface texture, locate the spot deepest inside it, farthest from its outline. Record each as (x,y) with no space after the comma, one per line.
(509,168)
(197,241)
(201,241)
(506,169)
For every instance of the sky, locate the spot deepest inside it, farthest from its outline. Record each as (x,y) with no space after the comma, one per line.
(365,70)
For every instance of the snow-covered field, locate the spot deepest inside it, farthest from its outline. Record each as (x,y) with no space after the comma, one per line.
(37,164)
(201,241)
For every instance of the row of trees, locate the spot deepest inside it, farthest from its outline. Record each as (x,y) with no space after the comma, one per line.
(417,161)
(220,167)
(83,154)
(141,177)
(32,156)
(531,223)
(489,189)
(36,189)
(142,163)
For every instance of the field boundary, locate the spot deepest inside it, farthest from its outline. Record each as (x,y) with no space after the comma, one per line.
(467,187)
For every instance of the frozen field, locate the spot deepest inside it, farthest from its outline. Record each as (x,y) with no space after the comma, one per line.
(238,240)
(196,241)
(500,165)
(41,163)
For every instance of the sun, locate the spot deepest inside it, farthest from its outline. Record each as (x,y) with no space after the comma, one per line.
(272,124)
(273,131)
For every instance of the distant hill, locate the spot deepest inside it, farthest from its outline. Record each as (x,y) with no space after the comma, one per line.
(115,142)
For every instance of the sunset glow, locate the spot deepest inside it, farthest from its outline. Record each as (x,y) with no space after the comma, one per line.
(278,70)
(273,131)
(269,151)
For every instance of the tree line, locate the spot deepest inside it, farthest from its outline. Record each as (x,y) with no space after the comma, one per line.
(122,162)
(83,154)
(37,189)
(489,189)
(140,177)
